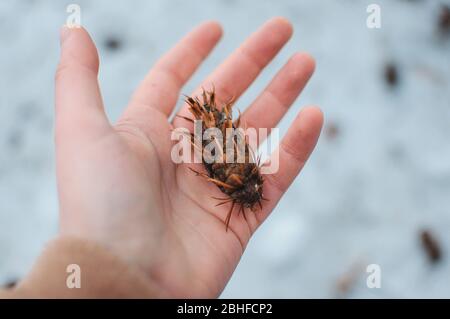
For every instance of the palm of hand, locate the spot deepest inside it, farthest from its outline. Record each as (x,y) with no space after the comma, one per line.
(118,185)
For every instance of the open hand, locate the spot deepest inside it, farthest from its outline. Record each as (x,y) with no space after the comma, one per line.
(117,183)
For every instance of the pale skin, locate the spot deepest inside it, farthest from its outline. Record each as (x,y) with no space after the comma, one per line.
(117,183)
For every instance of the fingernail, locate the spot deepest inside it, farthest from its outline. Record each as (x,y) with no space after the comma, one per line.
(64,34)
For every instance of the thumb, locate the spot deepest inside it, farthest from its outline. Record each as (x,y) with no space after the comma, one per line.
(79,107)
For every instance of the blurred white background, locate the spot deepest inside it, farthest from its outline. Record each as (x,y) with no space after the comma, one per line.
(380,174)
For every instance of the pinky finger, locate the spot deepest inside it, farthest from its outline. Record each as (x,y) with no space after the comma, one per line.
(293,152)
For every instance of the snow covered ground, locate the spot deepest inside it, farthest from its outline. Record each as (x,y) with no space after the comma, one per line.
(381,171)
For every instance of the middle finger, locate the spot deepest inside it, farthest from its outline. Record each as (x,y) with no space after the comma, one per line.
(241,68)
